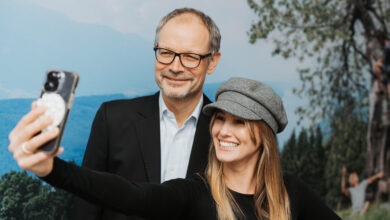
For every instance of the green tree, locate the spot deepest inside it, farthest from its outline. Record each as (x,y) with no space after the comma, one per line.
(345,38)
(317,162)
(61,202)
(303,151)
(288,155)
(50,203)
(347,146)
(16,190)
(25,197)
(303,158)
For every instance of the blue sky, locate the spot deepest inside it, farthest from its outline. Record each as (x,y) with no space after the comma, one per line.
(109,43)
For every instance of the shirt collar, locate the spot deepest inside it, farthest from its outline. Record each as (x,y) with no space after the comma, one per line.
(164,110)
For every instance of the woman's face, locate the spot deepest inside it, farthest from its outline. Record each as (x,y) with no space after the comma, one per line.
(232,139)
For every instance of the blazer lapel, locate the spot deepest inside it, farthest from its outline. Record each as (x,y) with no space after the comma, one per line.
(148,131)
(200,148)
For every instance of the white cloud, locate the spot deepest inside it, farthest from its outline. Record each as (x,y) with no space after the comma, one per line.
(141,17)
(118,14)
(6,93)
(233,18)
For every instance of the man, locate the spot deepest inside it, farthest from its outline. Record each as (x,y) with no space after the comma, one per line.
(357,190)
(163,136)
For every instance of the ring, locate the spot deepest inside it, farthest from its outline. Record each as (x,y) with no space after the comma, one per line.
(25,150)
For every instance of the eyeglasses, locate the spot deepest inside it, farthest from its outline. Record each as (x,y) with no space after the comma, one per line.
(188,60)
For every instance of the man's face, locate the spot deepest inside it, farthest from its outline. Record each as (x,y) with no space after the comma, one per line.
(185,33)
(353,179)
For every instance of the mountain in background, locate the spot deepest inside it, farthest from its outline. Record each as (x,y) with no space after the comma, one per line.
(34,39)
(78,126)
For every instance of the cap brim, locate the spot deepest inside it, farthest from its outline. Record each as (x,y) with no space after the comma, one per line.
(232,108)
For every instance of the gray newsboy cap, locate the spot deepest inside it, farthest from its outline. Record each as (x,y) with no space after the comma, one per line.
(251,100)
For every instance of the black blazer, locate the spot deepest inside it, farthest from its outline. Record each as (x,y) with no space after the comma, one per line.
(125,140)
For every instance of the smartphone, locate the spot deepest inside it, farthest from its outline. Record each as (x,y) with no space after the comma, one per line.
(57,94)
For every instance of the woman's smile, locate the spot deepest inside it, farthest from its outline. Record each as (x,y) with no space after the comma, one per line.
(227,146)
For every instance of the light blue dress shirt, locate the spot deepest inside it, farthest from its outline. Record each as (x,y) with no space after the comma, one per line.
(176,143)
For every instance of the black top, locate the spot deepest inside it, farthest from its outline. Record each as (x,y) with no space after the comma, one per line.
(174,199)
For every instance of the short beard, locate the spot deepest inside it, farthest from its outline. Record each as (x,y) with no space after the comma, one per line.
(176,96)
(181,75)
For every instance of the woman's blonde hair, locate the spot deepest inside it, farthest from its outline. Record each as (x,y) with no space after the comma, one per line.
(270,197)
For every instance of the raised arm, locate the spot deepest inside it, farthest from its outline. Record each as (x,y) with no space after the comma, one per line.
(157,201)
(344,190)
(375,177)
(166,201)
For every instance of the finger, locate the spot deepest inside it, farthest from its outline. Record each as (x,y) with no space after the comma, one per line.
(28,162)
(34,104)
(18,135)
(19,153)
(35,127)
(35,142)
(32,116)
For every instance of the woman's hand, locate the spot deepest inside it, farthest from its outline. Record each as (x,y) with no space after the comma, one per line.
(24,144)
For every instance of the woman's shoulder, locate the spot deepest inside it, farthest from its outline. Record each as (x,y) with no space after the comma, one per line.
(297,190)
(292,182)
(195,182)
(296,186)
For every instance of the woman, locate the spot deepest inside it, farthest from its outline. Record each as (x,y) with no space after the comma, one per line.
(243,179)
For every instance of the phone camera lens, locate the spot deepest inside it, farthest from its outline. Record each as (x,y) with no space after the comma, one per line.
(52,81)
(53,76)
(51,85)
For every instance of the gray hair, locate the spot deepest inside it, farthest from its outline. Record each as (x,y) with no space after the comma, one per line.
(215,36)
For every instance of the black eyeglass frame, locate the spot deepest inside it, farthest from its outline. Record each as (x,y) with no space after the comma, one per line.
(179,55)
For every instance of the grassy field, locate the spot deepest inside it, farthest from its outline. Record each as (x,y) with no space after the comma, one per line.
(373,213)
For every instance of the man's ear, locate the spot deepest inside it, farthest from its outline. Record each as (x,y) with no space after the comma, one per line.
(213,62)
